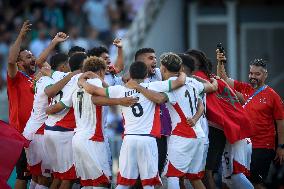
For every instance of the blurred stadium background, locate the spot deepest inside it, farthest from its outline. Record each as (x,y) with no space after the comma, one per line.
(247,29)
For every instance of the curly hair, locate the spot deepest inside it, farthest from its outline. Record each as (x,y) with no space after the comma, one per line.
(94,64)
(171,61)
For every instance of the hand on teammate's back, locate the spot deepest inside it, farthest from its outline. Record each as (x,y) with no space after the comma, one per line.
(128,101)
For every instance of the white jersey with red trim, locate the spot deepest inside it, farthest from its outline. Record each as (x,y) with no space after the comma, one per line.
(182,105)
(38,115)
(87,115)
(64,118)
(144,116)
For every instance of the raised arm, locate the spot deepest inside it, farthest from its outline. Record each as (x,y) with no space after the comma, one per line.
(15,49)
(221,71)
(53,109)
(104,101)
(179,81)
(119,64)
(200,109)
(60,37)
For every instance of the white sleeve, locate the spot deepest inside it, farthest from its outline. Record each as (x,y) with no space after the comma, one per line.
(116,91)
(96,82)
(160,86)
(57,75)
(67,99)
(44,82)
(199,86)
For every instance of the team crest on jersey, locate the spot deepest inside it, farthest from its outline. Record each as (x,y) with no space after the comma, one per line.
(228,96)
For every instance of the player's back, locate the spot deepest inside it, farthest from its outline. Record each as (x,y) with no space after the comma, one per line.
(183,104)
(87,115)
(142,118)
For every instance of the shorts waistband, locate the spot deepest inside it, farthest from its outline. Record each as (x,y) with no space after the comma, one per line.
(57,128)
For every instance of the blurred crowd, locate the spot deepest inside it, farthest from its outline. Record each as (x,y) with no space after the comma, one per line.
(88,23)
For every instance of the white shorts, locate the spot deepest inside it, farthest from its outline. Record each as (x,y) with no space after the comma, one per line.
(237,157)
(185,157)
(91,160)
(138,156)
(37,158)
(59,149)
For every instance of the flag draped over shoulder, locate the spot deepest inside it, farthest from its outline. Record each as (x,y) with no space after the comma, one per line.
(224,111)
(11,145)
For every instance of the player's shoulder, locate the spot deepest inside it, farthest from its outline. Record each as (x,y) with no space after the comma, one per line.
(94,81)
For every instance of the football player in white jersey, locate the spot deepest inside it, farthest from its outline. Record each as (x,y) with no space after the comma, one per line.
(148,56)
(59,129)
(36,156)
(142,125)
(92,169)
(186,143)
(111,79)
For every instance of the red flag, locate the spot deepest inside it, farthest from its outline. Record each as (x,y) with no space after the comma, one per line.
(224,111)
(11,145)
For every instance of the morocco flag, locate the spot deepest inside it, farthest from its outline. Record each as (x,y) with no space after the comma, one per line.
(224,111)
(11,145)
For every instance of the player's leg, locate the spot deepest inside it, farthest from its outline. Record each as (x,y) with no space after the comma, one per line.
(55,184)
(196,165)
(128,169)
(22,172)
(217,141)
(148,162)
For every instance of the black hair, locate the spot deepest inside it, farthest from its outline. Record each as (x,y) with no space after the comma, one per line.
(75,49)
(171,61)
(76,61)
(93,64)
(143,51)
(259,62)
(97,51)
(205,64)
(187,61)
(58,59)
(138,70)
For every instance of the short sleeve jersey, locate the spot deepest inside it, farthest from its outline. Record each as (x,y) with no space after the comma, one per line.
(182,104)
(20,97)
(144,116)
(38,115)
(263,109)
(87,115)
(64,118)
